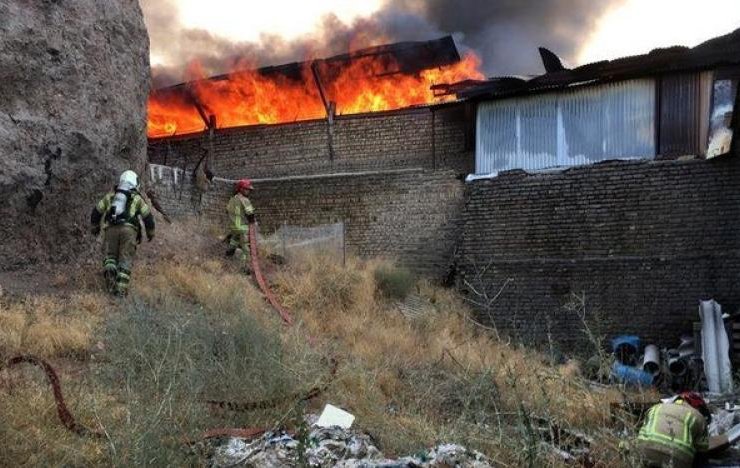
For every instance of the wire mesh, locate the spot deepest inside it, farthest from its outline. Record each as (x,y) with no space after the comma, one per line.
(292,241)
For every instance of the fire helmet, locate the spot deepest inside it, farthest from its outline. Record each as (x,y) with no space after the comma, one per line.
(696,401)
(243,184)
(129,178)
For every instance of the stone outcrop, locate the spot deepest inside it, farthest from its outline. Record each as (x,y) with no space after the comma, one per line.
(74,79)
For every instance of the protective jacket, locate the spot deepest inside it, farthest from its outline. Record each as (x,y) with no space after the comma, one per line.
(240,212)
(135,209)
(676,431)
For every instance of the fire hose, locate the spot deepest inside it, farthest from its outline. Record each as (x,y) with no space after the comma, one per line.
(68,421)
(287,320)
(257,270)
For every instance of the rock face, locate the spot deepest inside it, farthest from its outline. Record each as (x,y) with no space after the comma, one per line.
(74,78)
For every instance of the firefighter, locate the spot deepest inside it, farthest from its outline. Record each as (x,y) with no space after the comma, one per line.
(674,432)
(120,213)
(241,213)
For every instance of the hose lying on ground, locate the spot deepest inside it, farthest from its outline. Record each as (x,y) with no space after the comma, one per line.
(287,319)
(72,425)
(64,415)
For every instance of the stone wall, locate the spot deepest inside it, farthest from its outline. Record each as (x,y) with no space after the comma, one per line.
(438,137)
(641,242)
(412,215)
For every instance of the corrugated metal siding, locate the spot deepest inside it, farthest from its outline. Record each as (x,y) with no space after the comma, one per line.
(680,97)
(567,129)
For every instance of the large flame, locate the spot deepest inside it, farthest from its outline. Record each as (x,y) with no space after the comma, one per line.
(366,84)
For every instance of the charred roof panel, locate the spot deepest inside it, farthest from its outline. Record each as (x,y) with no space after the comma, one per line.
(717,52)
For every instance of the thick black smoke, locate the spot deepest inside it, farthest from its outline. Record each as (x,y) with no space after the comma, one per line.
(504,33)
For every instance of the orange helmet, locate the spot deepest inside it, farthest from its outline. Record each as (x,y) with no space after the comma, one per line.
(243,184)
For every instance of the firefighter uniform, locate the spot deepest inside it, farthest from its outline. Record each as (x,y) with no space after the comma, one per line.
(240,211)
(672,435)
(120,237)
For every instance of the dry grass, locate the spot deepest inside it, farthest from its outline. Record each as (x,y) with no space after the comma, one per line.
(411,381)
(406,379)
(51,326)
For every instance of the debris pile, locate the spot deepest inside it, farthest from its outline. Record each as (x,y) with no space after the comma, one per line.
(336,447)
(699,361)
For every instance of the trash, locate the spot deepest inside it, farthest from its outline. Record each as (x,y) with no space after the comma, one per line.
(722,421)
(335,447)
(715,348)
(333,416)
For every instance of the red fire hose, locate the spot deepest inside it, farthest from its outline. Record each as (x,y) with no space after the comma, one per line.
(69,421)
(64,415)
(287,319)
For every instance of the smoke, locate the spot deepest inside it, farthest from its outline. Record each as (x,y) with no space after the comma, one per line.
(504,33)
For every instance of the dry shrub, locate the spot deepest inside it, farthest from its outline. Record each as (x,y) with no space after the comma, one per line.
(411,382)
(394,282)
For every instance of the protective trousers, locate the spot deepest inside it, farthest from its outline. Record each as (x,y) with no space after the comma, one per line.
(119,250)
(240,240)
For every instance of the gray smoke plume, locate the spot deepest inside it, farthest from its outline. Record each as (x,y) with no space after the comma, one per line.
(504,33)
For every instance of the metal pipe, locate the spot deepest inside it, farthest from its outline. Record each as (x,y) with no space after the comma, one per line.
(631,375)
(651,361)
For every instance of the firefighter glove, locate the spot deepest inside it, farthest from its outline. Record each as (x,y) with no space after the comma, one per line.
(250,218)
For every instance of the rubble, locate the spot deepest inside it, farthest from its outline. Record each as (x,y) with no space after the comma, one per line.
(335,447)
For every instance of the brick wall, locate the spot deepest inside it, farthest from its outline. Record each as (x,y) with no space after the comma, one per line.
(426,137)
(643,241)
(413,214)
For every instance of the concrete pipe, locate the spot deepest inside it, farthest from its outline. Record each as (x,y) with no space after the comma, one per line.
(651,361)
(677,366)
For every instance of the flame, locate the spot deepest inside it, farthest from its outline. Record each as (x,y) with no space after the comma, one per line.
(367,84)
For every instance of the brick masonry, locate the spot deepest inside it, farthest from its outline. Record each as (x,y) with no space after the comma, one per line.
(642,242)
(438,137)
(411,215)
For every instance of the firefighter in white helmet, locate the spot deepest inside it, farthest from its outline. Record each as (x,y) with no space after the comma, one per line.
(120,214)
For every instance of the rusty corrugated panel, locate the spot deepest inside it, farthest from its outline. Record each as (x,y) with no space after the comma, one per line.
(680,102)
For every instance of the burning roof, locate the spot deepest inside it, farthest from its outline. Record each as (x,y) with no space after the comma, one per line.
(717,52)
(373,79)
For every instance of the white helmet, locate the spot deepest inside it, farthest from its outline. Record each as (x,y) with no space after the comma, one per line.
(129,180)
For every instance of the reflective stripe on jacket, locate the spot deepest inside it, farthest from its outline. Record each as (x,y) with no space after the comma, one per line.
(136,207)
(677,427)
(238,208)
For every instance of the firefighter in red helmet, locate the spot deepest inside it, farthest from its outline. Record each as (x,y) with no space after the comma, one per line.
(241,213)
(675,431)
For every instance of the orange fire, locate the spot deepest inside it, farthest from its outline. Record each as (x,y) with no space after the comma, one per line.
(248,97)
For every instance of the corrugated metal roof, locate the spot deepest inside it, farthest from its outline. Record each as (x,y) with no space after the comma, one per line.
(410,57)
(717,52)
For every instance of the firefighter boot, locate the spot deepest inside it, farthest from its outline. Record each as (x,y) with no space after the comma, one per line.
(110,271)
(122,281)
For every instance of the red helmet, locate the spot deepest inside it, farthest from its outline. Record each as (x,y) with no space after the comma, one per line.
(243,184)
(696,401)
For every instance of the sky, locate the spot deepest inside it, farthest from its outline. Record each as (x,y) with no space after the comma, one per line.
(505,33)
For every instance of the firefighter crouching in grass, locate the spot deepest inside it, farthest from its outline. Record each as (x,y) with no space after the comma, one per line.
(120,213)
(241,213)
(674,432)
